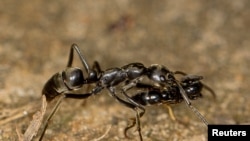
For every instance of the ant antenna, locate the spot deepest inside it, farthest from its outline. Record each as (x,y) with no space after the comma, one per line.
(83,60)
(209,89)
(204,85)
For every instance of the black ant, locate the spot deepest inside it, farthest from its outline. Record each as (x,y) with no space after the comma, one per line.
(154,95)
(67,81)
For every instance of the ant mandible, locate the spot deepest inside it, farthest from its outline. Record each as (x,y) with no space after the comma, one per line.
(65,82)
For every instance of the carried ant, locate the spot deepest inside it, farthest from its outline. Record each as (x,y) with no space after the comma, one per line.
(155,95)
(64,84)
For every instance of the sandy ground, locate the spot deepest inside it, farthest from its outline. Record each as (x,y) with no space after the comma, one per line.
(208,38)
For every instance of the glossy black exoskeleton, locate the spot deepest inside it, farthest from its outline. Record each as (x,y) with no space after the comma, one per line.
(66,82)
(149,95)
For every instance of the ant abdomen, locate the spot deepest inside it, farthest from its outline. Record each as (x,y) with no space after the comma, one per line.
(61,82)
(148,98)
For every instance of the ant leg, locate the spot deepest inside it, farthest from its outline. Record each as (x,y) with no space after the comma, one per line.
(96,67)
(131,106)
(134,121)
(196,77)
(77,96)
(146,86)
(171,113)
(129,127)
(131,85)
(191,77)
(141,86)
(67,95)
(83,60)
(50,116)
(138,115)
(185,97)
(180,72)
(209,89)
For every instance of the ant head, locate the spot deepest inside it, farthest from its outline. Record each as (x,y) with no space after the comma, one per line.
(73,77)
(192,86)
(160,74)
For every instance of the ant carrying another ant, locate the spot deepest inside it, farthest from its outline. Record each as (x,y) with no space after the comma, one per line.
(165,88)
(154,95)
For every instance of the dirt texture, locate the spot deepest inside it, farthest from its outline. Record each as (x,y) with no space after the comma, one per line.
(208,38)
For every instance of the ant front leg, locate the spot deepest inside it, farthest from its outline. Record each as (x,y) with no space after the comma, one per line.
(136,120)
(132,106)
(130,85)
(96,67)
